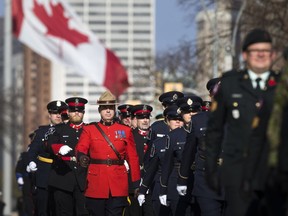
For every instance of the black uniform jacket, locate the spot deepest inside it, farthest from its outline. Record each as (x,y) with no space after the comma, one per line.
(236,111)
(176,140)
(152,167)
(66,173)
(39,154)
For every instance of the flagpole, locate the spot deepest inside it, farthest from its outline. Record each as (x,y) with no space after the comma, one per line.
(7,145)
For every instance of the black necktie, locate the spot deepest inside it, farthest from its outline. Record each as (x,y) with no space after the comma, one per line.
(258,88)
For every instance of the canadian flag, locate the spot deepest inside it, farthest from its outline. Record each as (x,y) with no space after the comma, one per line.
(52,29)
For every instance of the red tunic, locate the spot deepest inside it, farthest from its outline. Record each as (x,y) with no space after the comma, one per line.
(101,178)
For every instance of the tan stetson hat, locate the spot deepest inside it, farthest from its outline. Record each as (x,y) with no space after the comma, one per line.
(107,98)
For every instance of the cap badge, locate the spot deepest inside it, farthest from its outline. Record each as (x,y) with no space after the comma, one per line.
(58,103)
(175,97)
(189,102)
(179,111)
(145,107)
(76,101)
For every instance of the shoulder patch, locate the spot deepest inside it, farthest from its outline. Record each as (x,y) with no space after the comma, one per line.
(152,151)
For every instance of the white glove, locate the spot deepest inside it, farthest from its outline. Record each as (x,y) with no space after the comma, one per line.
(163,199)
(32,167)
(126,165)
(64,150)
(141,199)
(28,169)
(20,181)
(182,190)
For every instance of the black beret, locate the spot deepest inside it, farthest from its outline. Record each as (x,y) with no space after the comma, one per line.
(76,103)
(211,84)
(256,36)
(56,106)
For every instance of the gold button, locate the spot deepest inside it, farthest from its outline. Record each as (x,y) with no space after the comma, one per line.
(235,104)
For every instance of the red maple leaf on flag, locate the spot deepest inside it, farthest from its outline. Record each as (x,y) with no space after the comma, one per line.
(57,23)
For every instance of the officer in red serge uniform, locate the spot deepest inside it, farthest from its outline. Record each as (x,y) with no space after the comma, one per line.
(67,179)
(108,145)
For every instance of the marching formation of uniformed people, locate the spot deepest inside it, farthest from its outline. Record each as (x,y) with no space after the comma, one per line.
(203,157)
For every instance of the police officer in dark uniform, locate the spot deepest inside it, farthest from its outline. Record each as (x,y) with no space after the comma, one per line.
(67,179)
(142,112)
(242,103)
(25,184)
(40,159)
(189,106)
(124,114)
(211,203)
(151,178)
(160,128)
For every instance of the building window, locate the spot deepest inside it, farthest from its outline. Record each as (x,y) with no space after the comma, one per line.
(119,5)
(141,32)
(141,14)
(118,14)
(119,22)
(139,5)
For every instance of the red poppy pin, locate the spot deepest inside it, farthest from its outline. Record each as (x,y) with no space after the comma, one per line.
(271,82)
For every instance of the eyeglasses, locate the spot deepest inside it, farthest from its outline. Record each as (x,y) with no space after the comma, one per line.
(258,51)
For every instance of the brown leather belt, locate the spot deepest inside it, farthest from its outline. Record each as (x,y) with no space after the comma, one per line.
(108,162)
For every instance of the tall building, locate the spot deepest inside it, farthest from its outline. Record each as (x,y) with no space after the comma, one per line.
(213,43)
(37,85)
(128,28)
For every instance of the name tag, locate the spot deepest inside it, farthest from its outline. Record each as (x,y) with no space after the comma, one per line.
(160,135)
(237,95)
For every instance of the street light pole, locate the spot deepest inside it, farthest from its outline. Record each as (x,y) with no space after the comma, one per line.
(7,147)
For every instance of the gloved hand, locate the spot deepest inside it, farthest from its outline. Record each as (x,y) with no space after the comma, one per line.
(64,150)
(163,199)
(20,181)
(126,165)
(141,199)
(182,190)
(28,169)
(32,167)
